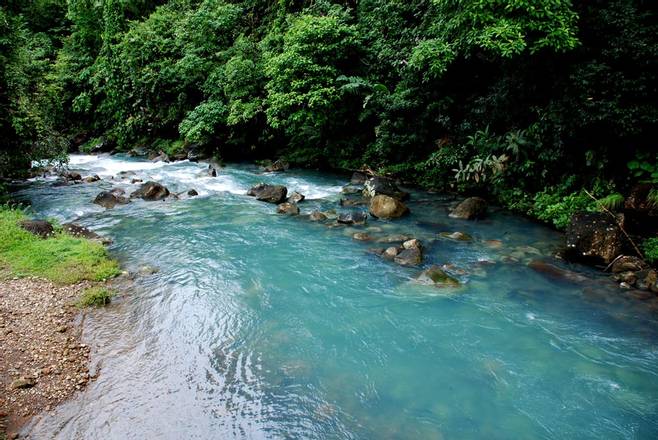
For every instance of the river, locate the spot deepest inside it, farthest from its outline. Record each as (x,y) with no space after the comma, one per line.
(259,325)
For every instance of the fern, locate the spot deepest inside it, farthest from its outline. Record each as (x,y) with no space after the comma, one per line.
(652,198)
(611,202)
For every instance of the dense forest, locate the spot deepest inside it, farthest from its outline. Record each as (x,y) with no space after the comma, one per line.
(532,103)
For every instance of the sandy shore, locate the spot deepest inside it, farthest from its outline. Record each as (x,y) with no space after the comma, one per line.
(42,358)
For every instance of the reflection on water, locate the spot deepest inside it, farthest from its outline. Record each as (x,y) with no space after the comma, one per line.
(265,326)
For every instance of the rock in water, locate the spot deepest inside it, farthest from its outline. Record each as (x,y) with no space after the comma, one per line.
(192,193)
(457,236)
(41,228)
(594,237)
(296,197)
(437,277)
(628,263)
(386,207)
(72,176)
(151,191)
(212,171)
(269,193)
(80,231)
(551,271)
(409,257)
(352,218)
(278,166)
(287,208)
(471,208)
(109,199)
(361,236)
(383,185)
(317,216)
(92,178)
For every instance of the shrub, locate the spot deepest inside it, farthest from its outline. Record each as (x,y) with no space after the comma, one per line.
(650,247)
(94,297)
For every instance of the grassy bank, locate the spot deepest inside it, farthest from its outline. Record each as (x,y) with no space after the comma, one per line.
(61,258)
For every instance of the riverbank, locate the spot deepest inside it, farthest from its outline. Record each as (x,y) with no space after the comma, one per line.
(46,277)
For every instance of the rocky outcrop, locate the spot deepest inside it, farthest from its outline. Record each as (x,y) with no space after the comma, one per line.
(42,228)
(358,178)
(269,193)
(382,185)
(628,263)
(295,197)
(594,237)
(387,207)
(470,209)
(80,231)
(436,276)
(352,218)
(151,191)
(287,208)
(109,199)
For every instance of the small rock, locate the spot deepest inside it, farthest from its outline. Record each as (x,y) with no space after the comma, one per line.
(628,263)
(470,209)
(409,257)
(317,216)
(437,277)
(134,181)
(457,236)
(109,199)
(414,243)
(192,193)
(352,218)
(72,176)
(295,197)
(390,253)
(92,178)
(41,228)
(361,236)
(287,208)
(23,383)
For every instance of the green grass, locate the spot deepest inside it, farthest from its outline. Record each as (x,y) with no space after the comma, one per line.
(94,297)
(62,259)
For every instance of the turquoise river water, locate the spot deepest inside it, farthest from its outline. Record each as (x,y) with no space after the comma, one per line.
(259,325)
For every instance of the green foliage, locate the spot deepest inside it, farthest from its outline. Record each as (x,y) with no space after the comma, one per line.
(650,248)
(62,258)
(94,297)
(644,169)
(551,206)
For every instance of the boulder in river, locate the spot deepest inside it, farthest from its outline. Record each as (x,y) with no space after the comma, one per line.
(457,236)
(470,209)
(295,197)
(151,191)
(361,236)
(387,207)
(594,237)
(192,192)
(383,185)
(72,176)
(436,276)
(269,193)
(556,273)
(352,218)
(212,171)
(109,199)
(287,208)
(317,216)
(409,257)
(80,231)
(42,228)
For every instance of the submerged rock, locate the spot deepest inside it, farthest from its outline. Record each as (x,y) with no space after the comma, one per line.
(470,209)
(387,207)
(395,238)
(80,231)
(554,272)
(457,236)
(317,216)
(352,218)
(594,237)
(151,191)
(436,276)
(361,236)
(383,185)
(287,208)
(92,178)
(42,228)
(295,197)
(109,199)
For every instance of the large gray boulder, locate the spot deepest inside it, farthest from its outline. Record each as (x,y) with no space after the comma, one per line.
(387,207)
(269,193)
(470,209)
(151,191)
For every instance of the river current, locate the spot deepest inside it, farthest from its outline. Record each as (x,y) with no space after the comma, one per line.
(259,325)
